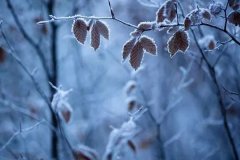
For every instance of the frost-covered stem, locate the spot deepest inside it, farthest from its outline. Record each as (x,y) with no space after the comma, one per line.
(54,18)
(28,37)
(38,88)
(225,16)
(158,125)
(20,131)
(177,13)
(213,75)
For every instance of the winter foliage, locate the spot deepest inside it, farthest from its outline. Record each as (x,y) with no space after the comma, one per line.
(137,98)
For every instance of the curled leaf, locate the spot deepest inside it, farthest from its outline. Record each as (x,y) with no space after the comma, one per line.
(166,11)
(206,14)
(234,18)
(79,29)
(160,15)
(179,41)
(66,111)
(187,23)
(145,26)
(95,37)
(215,8)
(211,45)
(127,48)
(103,29)
(148,44)
(136,55)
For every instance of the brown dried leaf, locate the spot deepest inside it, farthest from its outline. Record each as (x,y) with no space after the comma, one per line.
(170,10)
(149,45)
(212,45)
(84,153)
(127,48)
(234,18)
(145,26)
(103,29)
(79,29)
(206,14)
(132,104)
(166,10)
(136,55)
(231,3)
(187,23)
(178,42)
(66,111)
(95,37)
(160,15)
(136,33)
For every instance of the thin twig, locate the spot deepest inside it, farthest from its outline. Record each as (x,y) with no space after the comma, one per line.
(28,38)
(20,131)
(54,18)
(213,75)
(111,10)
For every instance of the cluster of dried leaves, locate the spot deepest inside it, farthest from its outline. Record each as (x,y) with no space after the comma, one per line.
(96,28)
(165,15)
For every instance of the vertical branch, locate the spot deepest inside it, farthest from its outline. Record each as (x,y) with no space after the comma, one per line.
(213,75)
(28,38)
(111,10)
(53,79)
(225,16)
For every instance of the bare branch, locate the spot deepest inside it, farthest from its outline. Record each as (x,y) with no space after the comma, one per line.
(111,10)
(28,38)
(20,132)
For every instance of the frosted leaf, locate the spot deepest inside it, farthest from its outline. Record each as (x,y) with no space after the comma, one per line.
(145,26)
(206,14)
(233,4)
(136,33)
(234,18)
(149,45)
(208,42)
(103,29)
(195,16)
(66,111)
(59,97)
(215,8)
(136,55)
(120,137)
(166,11)
(170,10)
(95,37)
(178,42)
(211,45)
(85,153)
(160,15)
(130,86)
(187,23)
(127,48)
(79,29)
(131,103)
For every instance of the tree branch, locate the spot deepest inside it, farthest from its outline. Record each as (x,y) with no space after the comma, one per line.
(28,38)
